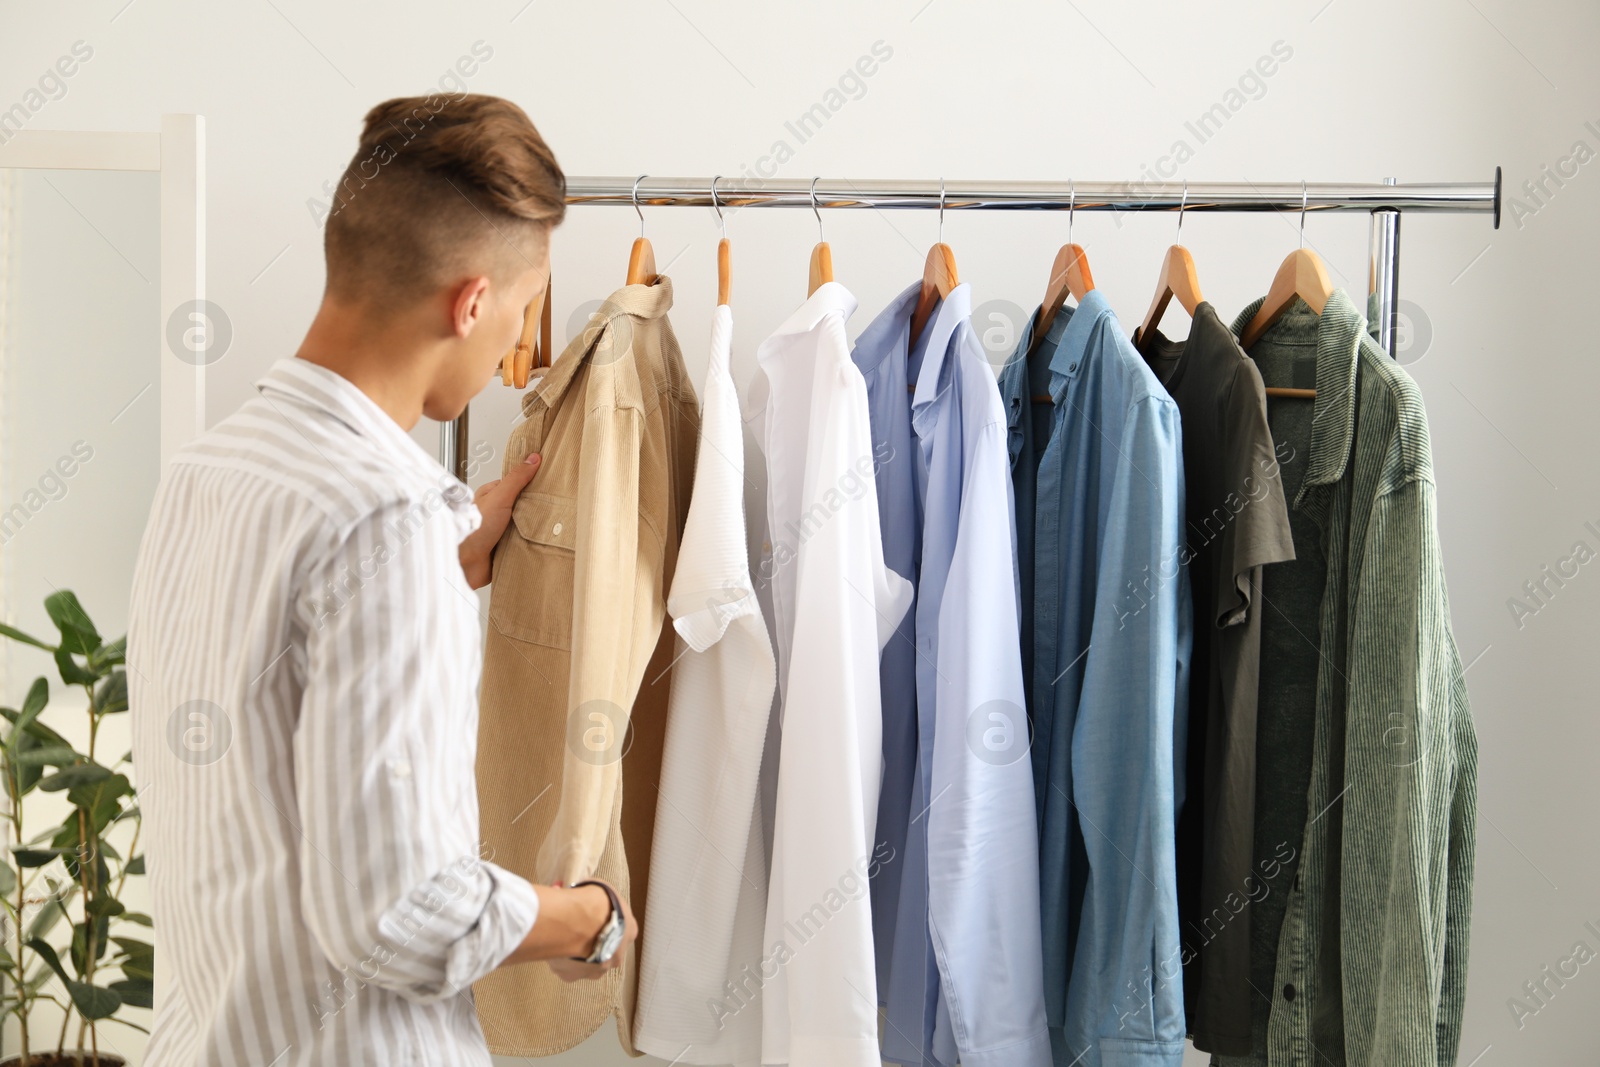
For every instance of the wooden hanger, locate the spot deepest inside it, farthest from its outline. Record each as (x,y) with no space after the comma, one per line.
(724,253)
(821,255)
(642,259)
(517,367)
(1178,279)
(1301,274)
(939,277)
(1069,274)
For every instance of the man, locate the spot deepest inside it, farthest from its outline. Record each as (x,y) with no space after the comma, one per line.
(304,651)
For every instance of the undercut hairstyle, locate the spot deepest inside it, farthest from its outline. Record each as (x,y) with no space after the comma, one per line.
(442,187)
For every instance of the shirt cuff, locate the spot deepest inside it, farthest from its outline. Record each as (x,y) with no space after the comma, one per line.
(703,624)
(1123,1052)
(508,915)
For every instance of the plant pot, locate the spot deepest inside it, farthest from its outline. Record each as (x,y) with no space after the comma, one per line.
(72,1058)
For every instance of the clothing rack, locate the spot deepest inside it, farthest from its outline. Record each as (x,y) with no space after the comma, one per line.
(1384,201)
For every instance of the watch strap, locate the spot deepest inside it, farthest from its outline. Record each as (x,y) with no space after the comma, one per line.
(604,945)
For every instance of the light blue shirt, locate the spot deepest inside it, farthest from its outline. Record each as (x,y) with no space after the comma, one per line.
(962,963)
(1111,631)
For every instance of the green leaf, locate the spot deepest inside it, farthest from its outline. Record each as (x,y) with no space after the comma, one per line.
(104,906)
(100,800)
(139,958)
(77,632)
(49,914)
(136,992)
(67,843)
(71,673)
(23,778)
(38,696)
(34,857)
(141,967)
(79,942)
(112,655)
(78,774)
(54,755)
(137,917)
(37,729)
(36,981)
(112,696)
(134,947)
(92,1001)
(17,635)
(135,866)
(8,880)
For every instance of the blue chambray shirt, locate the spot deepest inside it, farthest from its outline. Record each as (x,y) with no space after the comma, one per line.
(1111,633)
(960,965)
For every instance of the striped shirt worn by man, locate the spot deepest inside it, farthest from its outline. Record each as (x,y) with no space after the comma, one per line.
(304,654)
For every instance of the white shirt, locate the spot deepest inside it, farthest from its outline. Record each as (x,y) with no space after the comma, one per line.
(708,881)
(835,604)
(303,660)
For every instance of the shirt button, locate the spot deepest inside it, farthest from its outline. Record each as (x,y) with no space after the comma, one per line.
(1288,992)
(1072,368)
(556,529)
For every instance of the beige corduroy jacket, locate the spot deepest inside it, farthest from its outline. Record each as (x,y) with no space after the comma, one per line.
(575,674)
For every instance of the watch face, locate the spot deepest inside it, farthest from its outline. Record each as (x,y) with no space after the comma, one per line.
(610,938)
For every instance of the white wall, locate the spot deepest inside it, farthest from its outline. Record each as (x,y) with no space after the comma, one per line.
(1094,89)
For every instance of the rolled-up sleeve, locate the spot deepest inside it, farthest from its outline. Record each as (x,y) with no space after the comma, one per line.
(393,886)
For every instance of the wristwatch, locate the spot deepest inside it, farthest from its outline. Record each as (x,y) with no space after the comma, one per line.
(605,945)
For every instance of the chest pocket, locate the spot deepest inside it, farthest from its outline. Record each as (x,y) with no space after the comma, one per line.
(533,571)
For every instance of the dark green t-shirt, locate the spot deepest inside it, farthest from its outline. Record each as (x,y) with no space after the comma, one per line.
(1237,522)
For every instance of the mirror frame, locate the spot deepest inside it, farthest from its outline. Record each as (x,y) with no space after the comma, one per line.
(177,152)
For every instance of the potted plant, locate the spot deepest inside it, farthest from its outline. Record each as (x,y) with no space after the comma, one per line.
(69,872)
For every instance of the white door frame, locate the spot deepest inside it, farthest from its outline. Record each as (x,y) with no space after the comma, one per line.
(178,153)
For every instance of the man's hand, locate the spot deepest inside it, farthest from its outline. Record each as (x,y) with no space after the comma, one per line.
(575,970)
(568,925)
(494,500)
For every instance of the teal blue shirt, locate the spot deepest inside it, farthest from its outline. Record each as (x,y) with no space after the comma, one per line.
(1110,608)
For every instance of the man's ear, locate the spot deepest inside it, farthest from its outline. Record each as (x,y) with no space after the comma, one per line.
(468,306)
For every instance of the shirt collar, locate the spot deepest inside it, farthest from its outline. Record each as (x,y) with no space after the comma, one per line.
(829,297)
(1016,385)
(1339,331)
(948,316)
(1067,359)
(638,301)
(888,333)
(335,395)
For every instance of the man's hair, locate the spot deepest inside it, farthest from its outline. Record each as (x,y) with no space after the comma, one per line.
(441,187)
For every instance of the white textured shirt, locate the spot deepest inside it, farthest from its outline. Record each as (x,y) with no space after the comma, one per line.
(836,603)
(700,943)
(303,662)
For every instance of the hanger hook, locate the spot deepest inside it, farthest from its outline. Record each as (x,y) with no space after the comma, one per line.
(1181,205)
(941,210)
(718,205)
(636,182)
(1303,198)
(1072,205)
(814,210)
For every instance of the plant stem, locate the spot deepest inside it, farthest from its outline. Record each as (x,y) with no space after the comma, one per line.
(22,971)
(61,1043)
(89,855)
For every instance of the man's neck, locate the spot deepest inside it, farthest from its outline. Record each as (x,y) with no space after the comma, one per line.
(388,365)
